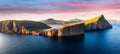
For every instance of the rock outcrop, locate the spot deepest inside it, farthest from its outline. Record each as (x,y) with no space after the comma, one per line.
(72,30)
(97,23)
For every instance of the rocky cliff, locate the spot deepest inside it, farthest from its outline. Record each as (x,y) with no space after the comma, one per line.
(22,27)
(36,28)
(71,30)
(97,23)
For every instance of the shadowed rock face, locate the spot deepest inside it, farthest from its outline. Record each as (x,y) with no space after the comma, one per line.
(101,23)
(77,29)
(6,26)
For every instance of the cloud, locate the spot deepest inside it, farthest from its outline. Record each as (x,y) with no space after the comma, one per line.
(64,6)
(95,1)
(60,9)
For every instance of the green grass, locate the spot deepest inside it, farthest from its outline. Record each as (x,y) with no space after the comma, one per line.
(93,20)
(30,25)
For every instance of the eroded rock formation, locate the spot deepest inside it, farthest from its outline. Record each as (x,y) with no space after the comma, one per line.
(97,23)
(77,29)
(18,27)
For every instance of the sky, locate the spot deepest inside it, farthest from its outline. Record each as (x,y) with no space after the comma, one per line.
(58,9)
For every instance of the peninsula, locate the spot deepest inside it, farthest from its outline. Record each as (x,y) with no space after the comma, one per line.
(37,28)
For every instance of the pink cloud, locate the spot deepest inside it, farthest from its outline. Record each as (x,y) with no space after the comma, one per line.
(61,8)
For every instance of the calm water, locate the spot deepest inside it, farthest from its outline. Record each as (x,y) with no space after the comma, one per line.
(93,42)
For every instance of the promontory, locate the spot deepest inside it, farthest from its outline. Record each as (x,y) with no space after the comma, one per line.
(26,27)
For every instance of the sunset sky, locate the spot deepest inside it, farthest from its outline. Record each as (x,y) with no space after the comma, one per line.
(58,9)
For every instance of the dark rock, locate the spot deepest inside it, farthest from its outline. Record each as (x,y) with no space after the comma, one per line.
(77,29)
(101,23)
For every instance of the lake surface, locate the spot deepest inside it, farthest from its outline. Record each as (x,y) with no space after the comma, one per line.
(93,42)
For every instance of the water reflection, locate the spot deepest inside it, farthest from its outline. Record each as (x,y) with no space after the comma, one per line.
(78,38)
(68,45)
(97,42)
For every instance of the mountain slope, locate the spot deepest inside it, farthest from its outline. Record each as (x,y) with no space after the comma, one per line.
(76,20)
(52,21)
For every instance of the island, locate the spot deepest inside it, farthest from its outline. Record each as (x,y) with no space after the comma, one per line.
(38,28)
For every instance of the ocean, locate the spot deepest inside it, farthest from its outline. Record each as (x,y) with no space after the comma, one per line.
(92,42)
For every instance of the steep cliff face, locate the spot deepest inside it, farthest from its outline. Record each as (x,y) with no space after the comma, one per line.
(22,27)
(78,28)
(97,23)
(71,30)
(6,26)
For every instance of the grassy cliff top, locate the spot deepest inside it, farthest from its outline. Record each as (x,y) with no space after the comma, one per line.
(30,25)
(93,20)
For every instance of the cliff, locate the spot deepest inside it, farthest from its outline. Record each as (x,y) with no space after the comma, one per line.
(71,30)
(97,23)
(78,28)
(22,27)
(36,28)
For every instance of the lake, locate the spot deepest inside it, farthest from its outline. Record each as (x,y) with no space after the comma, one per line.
(93,42)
